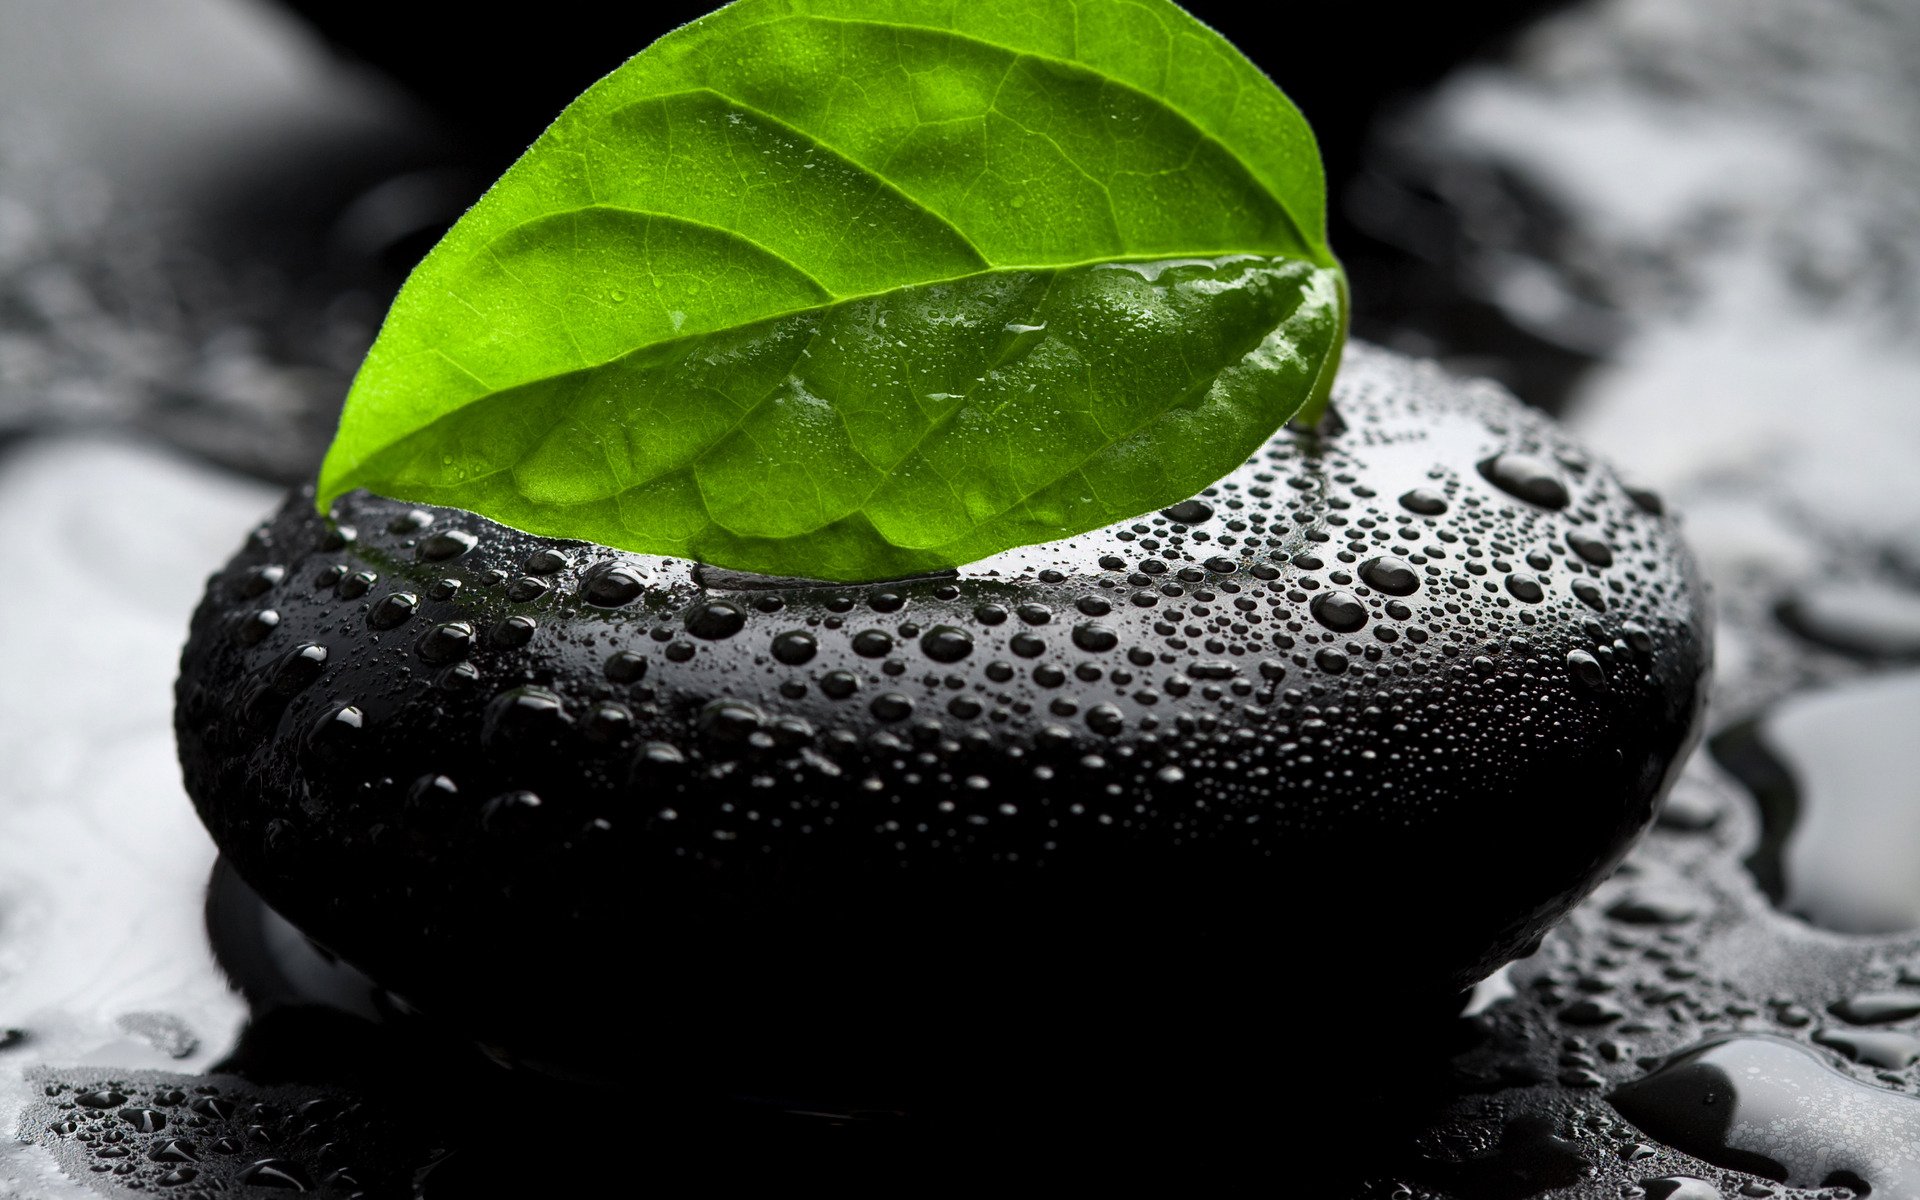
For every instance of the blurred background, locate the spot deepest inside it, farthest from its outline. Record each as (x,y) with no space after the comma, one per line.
(1690,228)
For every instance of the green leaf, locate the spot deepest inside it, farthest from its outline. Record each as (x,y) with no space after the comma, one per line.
(861,288)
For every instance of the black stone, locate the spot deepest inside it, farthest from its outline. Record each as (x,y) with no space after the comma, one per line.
(963,834)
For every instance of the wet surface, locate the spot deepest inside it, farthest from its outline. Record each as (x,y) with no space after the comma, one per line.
(1631,214)
(1836,776)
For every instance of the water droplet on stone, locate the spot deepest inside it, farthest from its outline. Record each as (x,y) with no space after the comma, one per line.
(891,706)
(626,667)
(1094,637)
(1425,501)
(714,620)
(1392,576)
(1884,1049)
(446,642)
(872,643)
(393,610)
(259,581)
(255,627)
(299,668)
(1527,588)
(544,562)
(1586,670)
(730,720)
(946,644)
(1594,550)
(1652,908)
(446,545)
(1771,1107)
(1877,1008)
(276,1174)
(1679,1187)
(795,647)
(1646,500)
(1527,478)
(612,585)
(522,714)
(527,589)
(1339,611)
(838,685)
(1189,512)
(515,631)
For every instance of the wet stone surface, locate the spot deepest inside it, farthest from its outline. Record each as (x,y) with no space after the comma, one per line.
(1246,725)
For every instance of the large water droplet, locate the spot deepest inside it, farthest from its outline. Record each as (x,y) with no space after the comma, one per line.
(1527,478)
(1393,576)
(1858,618)
(447,544)
(872,643)
(612,585)
(1094,637)
(715,620)
(1833,774)
(946,644)
(794,647)
(1771,1107)
(1189,512)
(446,642)
(393,610)
(1428,502)
(1884,1049)
(1586,670)
(1594,550)
(1339,611)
